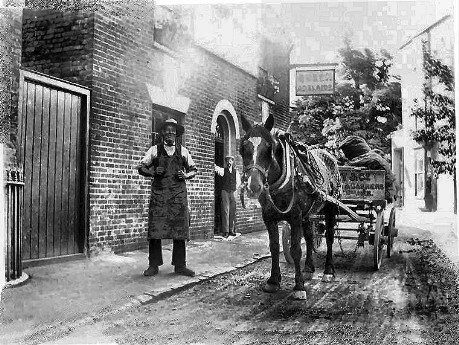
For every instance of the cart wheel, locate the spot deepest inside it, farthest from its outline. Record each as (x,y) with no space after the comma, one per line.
(286,242)
(379,240)
(390,232)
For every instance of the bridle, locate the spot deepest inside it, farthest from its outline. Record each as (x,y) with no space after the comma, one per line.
(266,187)
(258,167)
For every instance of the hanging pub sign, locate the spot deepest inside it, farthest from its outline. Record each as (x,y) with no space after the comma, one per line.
(311,82)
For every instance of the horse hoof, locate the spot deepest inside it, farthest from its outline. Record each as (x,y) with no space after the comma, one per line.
(299,295)
(308,275)
(270,288)
(328,278)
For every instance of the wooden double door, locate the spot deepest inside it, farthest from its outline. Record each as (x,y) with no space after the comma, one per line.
(53,150)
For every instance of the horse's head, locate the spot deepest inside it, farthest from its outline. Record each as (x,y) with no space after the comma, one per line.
(256,149)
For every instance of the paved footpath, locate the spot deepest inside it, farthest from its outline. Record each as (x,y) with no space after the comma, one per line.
(441,227)
(71,293)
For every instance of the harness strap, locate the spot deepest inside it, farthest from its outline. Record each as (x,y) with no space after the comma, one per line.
(289,207)
(282,182)
(286,167)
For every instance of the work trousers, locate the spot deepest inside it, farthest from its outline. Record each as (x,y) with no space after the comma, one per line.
(228,211)
(155,257)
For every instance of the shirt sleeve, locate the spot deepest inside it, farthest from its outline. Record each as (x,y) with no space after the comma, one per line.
(238,179)
(189,160)
(147,160)
(219,170)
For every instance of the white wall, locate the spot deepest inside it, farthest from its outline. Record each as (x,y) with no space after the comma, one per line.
(411,85)
(412,79)
(445,191)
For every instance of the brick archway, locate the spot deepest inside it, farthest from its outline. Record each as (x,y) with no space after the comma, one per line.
(225,129)
(225,108)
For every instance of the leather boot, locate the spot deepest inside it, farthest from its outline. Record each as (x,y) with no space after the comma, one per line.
(184,271)
(151,271)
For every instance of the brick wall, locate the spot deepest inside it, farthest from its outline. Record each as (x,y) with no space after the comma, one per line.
(124,60)
(118,57)
(59,44)
(10,60)
(216,80)
(122,111)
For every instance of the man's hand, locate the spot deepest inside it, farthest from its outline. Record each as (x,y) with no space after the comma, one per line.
(182,175)
(159,171)
(144,171)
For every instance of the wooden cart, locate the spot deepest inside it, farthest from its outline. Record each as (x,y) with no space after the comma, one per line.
(362,214)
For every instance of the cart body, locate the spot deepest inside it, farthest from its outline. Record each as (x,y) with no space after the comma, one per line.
(362,206)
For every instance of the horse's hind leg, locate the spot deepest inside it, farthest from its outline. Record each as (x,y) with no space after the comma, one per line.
(309,237)
(295,250)
(273,283)
(330,222)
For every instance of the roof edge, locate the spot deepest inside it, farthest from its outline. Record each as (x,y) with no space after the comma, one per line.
(430,27)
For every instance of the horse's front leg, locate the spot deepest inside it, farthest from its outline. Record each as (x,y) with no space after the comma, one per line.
(330,222)
(308,234)
(295,250)
(273,283)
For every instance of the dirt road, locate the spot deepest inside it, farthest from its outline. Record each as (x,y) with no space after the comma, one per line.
(413,299)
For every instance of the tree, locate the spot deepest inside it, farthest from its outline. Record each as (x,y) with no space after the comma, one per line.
(367,102)
(437,116)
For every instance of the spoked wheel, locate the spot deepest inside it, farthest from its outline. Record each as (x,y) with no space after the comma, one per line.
(286,237)
(379,241)
(391,232)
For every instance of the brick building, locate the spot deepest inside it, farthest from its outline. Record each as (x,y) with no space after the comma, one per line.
(114,78)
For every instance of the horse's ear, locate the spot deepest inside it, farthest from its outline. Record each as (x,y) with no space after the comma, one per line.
(246,125)
(269,123)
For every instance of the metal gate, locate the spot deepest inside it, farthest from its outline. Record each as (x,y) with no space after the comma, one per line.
(14,196)
(53,150)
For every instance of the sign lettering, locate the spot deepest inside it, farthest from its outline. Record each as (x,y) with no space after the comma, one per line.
(315,82)
(366,184)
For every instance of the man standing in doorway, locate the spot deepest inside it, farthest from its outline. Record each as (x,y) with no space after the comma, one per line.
(168,216)
(231,182)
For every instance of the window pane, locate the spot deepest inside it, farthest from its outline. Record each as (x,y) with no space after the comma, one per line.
(419,161)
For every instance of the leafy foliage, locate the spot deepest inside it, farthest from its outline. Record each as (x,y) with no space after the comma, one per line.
(365,67)
(436,113)
(366,103)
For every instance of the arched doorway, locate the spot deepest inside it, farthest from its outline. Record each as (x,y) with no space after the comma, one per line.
(220,161)
(225,127)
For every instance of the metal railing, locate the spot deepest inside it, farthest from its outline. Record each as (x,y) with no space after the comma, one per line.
(14,205)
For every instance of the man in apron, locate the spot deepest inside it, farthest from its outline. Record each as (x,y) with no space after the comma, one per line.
(168,216)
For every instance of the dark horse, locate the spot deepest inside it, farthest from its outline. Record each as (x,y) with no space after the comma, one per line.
(289,189)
